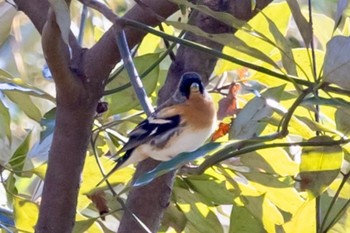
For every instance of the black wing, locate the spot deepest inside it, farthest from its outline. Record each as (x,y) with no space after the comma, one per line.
(152,128)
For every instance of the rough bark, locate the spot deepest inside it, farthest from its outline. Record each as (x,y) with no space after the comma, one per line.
(79,85)
(149,202)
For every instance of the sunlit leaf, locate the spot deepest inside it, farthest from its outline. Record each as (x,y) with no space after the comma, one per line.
(196,212)
(175,163)
(150,42)
(221,16)
(341,6)
(323,28)
(18,158)
(228,40)
(7,13)
(301,22)
(62,15)
(40,171)
(214,190)
(10,83)
(25,104)
(257,207)
(247,122)
(304,220)
(25,214)
(92,175)
(126,99)
(271,161)
(260,25)
(337,62)
(5,120)
(242,221)
(288,60)
(319,166)
(83,225)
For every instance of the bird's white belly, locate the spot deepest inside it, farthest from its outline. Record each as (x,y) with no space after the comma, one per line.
(185,142)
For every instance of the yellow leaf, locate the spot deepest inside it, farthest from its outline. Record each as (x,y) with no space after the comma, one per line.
(25,214)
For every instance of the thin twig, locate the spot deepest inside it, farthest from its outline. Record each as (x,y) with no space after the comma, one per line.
(226,154)
(134,76)
(125,53)
(82,24)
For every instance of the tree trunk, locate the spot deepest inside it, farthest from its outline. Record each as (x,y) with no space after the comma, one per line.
(149,202)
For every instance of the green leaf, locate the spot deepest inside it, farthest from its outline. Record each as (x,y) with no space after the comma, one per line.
(125,99)
(319,166)
(7,13)
(214,190)
(333,102)
(247,123)
(221,16)
(62,14)
(284,46)
(25,104)
(9,83)
(317,127)
(25,214)
(242,221)
(48,124)
(341,6)
(173,217)
(336,208)
(229,40)
(259,212)
(5,121)
(303,220)
(258,206)
(301,22)
(271,161)
(18,158)
(196,212)
(342,116)
(337,62)
(175,163)
(81,226)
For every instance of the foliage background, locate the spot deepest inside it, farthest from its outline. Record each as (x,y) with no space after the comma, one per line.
(293,176)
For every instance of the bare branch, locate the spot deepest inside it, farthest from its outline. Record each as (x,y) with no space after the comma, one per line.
(56,53)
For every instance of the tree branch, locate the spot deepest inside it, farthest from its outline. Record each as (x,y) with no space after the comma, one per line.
(104,54)
(149,202)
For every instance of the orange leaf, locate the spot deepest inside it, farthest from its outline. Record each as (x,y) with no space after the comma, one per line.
(221,131)
(228,105)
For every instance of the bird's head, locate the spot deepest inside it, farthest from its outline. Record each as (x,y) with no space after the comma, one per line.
(191,83)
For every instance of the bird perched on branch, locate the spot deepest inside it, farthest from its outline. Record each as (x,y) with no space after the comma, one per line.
(178,128)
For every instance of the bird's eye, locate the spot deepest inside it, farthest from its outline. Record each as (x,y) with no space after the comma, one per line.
(195,87)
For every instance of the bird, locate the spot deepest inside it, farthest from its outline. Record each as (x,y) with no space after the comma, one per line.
(181,127)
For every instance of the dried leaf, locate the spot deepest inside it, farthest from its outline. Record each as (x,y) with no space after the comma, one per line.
(99,200)
(223,129)
(228,105)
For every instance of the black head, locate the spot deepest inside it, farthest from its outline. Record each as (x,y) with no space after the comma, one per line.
(190,82)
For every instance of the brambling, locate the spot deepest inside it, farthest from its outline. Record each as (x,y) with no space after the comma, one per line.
(182,127)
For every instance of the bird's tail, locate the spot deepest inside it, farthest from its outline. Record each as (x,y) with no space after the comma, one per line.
(120,162)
